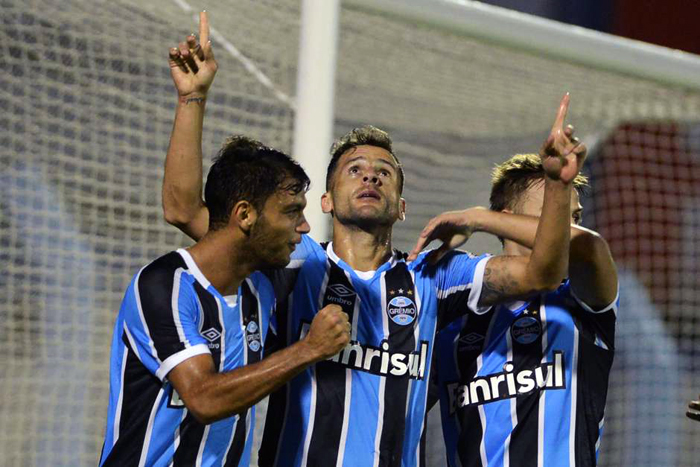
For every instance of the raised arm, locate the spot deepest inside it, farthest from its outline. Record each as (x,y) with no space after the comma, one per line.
(211,396)
(509,277)
(592,270)
(192,67)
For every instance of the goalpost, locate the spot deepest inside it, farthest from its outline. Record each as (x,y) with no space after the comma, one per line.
(88,107)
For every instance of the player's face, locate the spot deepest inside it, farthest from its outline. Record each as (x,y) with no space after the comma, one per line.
(278,229)
(533,200)
(365,189)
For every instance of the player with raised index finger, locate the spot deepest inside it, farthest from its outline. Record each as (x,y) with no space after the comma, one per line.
(366,406)
(526,383)
(186,364)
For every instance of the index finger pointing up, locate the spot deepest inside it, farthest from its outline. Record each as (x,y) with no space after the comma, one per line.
(203,28)
(561,114)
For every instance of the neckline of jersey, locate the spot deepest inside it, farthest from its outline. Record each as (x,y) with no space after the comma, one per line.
(364,275)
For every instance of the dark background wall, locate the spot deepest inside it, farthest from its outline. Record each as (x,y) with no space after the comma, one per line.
(671,23)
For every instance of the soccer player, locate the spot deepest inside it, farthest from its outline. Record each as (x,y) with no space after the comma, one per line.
(186,353)
(526,383)
(366,405)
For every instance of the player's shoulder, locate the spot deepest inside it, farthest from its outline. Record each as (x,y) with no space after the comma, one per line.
(261,281)
(160,271)
(451,259)
(151,290)
(565,296)
(307,249)
(462,255)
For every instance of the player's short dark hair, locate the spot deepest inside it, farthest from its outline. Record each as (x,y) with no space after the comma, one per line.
(367,135)
(246,169)
(512,178)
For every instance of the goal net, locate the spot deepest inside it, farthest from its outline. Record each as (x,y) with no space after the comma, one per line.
(457,104)
(88,107)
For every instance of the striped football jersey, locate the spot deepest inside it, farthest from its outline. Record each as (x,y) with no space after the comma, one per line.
(171,313)
(525,384)
(366,405)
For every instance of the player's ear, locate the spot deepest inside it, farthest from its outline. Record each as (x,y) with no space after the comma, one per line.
(327,203)
(402,209)
(244,215)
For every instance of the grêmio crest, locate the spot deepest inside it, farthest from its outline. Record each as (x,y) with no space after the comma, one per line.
(402,310)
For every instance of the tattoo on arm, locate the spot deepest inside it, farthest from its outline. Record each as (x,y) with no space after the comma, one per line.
(499,283)
(196,100)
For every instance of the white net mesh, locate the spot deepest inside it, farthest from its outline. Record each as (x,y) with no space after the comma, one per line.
(88,107)
(455,106)
(87,110)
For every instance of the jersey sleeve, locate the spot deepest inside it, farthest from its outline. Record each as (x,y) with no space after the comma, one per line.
(601,323)
(460,278)
(613,306)
(163,323)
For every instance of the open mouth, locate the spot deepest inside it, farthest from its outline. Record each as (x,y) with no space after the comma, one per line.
(371,194)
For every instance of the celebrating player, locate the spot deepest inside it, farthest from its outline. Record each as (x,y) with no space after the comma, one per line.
(366,405)
(188,340)
(527,382)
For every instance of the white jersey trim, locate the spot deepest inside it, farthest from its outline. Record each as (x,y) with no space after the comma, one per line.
(118,414)
(179,357)
(612,306)
(295,264)
(149,429)
(477,285)
(175,304)
(193,268)
(151,344)
(444,293)
(364,275)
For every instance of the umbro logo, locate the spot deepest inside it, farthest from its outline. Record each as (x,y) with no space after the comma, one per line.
(471,338)
(211,334)
(341,291)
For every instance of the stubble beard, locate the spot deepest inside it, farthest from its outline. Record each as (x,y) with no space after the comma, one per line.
(262,238)
(369,220)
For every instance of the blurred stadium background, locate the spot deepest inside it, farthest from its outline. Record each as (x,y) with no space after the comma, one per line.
(87,107)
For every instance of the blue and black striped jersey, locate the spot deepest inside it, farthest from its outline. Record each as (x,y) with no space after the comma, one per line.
(525,384)
(171,313)
(365,406)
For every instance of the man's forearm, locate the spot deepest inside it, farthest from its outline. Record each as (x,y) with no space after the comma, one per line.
(222,395)
(549,260)
(591,267)
(522,229)
(182,183)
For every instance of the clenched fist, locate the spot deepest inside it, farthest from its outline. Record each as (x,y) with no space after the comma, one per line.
(329,332)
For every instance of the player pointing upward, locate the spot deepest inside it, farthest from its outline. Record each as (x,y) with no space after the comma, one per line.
(366,405)
(188,340)
(526,383)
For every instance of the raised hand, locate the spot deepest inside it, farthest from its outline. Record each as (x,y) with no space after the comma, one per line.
(192,64)
(562,154)
(453,228)
(329,332)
